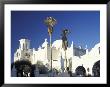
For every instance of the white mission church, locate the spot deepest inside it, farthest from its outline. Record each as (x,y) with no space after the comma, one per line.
(77,57)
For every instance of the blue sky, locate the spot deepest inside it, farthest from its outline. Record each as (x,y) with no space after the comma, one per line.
(83,25)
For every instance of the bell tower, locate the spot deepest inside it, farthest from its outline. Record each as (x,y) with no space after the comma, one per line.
(24,44)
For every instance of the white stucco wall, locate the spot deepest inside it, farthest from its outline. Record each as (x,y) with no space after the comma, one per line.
(43,54)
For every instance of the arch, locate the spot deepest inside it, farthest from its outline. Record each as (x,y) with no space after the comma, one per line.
(23,46)
(96,69)
(80,71)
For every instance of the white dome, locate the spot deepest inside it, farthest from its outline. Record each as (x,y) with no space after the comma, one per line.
(57,44)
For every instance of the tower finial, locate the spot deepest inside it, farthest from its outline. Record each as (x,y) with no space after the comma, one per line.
(45,39)
(72,44)
(86,47)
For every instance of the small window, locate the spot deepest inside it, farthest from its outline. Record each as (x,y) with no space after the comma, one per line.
(55,60)
(17,54)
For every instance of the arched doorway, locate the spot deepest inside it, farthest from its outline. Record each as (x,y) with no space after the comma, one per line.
(96,69)
(80,71)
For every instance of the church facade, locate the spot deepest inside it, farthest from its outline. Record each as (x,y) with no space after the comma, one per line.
(77,57)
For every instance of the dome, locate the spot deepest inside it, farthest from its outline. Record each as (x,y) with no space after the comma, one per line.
(57,44)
